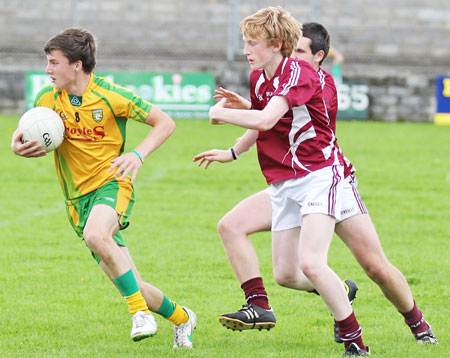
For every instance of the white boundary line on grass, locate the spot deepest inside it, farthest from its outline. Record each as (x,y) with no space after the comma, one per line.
(158,175)
(23,218)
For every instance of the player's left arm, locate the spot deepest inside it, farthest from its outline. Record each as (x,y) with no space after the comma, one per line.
(32,149)
(261,120)
(242,145)
(163,126)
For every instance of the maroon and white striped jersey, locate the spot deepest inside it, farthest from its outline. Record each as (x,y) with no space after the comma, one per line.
(329,96)
(331,101)
(302,140)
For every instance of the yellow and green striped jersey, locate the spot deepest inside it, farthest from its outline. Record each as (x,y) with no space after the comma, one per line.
(95,131)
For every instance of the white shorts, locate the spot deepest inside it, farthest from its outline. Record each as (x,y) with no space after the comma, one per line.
(318,192)
(352,204)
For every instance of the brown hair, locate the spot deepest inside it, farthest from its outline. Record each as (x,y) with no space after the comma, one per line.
(75,44)
(273,24)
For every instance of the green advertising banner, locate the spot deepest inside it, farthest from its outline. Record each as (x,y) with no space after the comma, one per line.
(181,95)
(353,100)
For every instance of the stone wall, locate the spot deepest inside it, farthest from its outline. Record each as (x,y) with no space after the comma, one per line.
(398,47)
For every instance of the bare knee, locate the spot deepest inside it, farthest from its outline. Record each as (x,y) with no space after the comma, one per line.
(94,239)
(224,226)
(229,229)
(377,271)
(312,269)
(285,277)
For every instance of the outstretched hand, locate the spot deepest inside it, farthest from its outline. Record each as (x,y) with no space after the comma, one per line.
(233,100)
(213,155)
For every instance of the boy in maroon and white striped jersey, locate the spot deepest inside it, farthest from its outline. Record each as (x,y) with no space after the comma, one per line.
(299,157)
(253,214)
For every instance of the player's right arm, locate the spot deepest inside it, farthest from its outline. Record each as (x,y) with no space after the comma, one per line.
(261,120)
(30,149)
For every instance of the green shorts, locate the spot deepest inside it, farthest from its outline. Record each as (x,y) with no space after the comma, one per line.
(117,194)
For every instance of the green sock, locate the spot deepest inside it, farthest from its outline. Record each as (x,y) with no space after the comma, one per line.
(167,308)
(127,283)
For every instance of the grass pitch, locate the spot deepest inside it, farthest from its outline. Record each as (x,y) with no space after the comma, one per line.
(56,302)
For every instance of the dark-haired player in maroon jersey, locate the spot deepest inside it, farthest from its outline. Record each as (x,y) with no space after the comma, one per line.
(355,227)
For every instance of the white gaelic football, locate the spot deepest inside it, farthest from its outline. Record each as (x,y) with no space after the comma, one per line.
(44,125)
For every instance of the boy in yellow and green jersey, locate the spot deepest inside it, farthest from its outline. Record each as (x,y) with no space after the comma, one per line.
(96,175)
